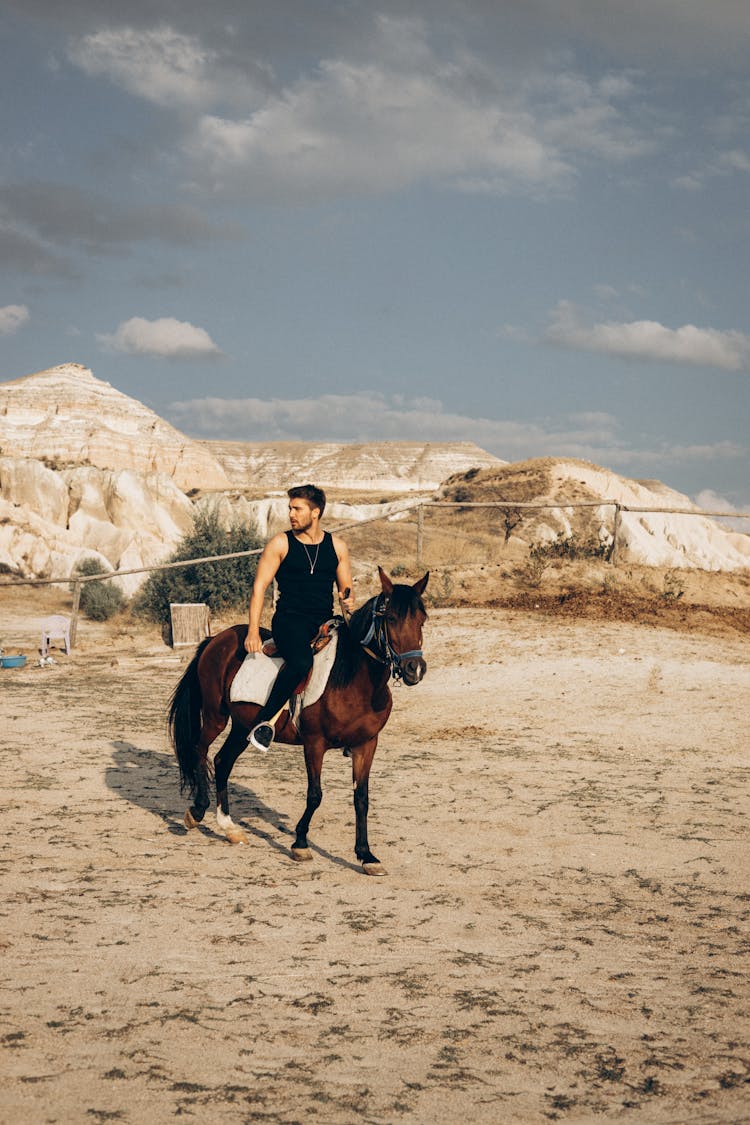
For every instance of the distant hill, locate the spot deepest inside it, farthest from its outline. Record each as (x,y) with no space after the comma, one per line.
(654,539)
(86,470)
(371,467)
(66,416)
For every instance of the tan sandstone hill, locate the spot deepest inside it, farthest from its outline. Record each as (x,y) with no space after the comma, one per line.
(659,538)
(66,416)
(359,467)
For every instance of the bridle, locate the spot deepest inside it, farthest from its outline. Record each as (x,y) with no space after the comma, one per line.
(377,643)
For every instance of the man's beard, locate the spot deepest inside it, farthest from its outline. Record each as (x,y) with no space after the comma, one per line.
(299,526)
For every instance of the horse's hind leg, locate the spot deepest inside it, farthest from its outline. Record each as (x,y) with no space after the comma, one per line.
(234,745)
(210,731)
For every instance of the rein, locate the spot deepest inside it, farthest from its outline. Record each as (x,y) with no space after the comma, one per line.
(377,643)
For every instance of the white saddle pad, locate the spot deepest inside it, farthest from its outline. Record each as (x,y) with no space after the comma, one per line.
(257,673)
(255,678)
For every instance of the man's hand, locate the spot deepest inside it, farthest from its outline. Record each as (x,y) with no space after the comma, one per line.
(346,600)
(253,643)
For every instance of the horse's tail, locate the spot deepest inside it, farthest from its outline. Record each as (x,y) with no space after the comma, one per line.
(184,720)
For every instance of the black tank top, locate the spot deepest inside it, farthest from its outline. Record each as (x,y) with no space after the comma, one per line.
(305,578)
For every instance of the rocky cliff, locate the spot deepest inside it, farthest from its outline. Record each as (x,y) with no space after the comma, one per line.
(52,519)
(65,416)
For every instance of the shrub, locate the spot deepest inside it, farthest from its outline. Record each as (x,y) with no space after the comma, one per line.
(674,586)
(99,600)
(571,548)
(565,547)
(221,585)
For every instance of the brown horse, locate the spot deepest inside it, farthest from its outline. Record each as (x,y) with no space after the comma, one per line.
(382,638)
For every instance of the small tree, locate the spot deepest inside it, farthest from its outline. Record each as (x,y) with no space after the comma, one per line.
(221,585)
(99,600)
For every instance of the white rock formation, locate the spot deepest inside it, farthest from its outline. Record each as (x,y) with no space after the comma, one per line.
(652,539)
(49,520)
(380,467)
(85,471)
(66,416)
(661,539)
(271,514)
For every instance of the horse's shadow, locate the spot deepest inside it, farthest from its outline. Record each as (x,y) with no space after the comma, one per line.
(143,777)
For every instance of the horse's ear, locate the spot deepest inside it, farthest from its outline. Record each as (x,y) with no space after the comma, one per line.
(385,582)
(422,584)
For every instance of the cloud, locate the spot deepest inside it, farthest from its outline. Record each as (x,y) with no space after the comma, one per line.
(672,30)
(649,340)
(366,130)
(388,111)
(711,501)
(373,417)
(12,317)
(23,252)
(42,214)
(165,337)
(591,436)
(726,163)
(363,128)
(165,66)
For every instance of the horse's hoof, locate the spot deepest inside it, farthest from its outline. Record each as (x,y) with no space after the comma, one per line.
(190,821)
(301,854)
(237,836)
(374,869)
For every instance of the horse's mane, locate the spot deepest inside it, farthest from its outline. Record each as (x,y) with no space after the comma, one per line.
(349,654)
(348,648)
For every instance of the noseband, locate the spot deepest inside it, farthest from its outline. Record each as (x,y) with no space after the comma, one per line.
(377,643)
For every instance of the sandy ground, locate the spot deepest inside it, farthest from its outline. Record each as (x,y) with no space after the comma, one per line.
(563,933)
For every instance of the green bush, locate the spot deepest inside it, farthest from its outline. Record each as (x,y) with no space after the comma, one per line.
(571,548)
(99,600)
(221,585)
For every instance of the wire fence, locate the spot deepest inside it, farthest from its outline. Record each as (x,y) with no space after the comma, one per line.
(420,507)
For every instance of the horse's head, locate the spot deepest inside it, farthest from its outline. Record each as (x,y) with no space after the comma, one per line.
(400,614)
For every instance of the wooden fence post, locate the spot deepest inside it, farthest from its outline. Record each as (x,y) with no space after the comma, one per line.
(420,535)
(615,532)
(74,613)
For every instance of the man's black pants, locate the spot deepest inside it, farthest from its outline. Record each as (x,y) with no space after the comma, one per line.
(292,634)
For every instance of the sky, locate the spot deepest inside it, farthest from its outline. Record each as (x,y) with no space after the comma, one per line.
(522,223)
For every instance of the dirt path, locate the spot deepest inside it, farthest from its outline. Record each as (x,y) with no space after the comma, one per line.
(563,933)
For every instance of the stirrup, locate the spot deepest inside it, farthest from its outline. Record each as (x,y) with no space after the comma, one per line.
(261,737)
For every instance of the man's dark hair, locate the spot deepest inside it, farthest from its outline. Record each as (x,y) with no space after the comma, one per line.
(315,496)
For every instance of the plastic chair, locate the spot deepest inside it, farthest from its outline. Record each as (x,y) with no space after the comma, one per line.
(55,628)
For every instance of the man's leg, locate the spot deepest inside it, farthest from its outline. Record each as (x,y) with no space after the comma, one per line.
(292,637)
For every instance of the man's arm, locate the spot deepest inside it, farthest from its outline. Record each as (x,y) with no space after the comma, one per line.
(344,574)
(268,563)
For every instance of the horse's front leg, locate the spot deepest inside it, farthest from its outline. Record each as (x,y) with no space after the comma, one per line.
(314,751)
(362,756)
(223,762)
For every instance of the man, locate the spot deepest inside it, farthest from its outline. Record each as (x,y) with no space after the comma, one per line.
(305,561)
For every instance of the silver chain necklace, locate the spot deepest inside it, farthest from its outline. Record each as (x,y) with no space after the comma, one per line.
(312,561)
